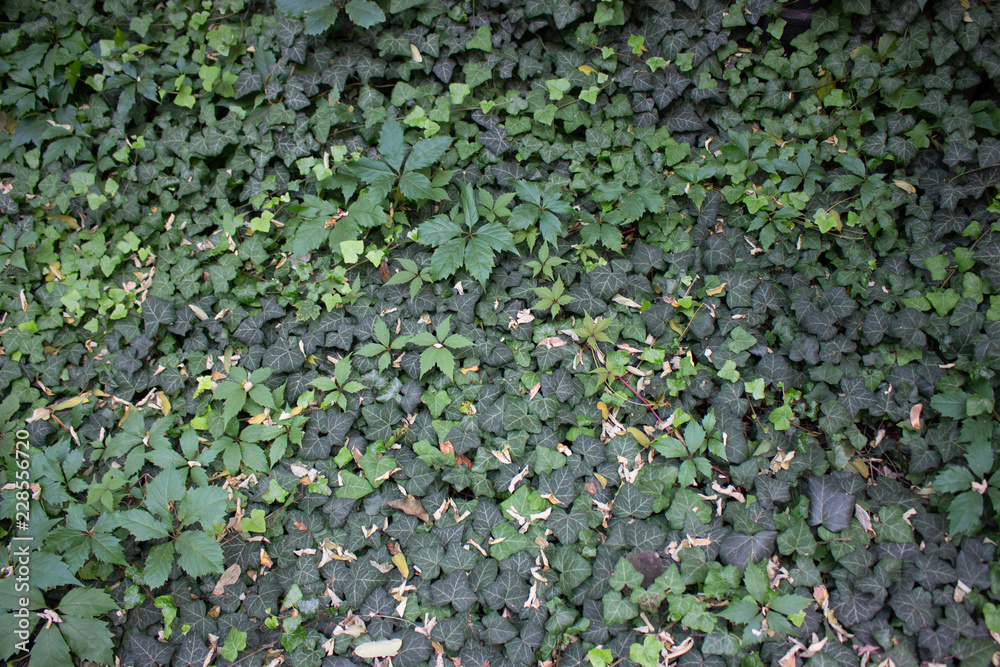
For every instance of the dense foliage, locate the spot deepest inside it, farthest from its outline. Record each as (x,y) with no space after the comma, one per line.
(502,332)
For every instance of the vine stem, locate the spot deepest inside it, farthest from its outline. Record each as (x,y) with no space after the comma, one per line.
(641,398)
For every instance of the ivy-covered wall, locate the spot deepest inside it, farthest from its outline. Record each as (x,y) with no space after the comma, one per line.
(497,333)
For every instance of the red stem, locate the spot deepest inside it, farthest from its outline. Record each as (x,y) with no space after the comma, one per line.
(641,398)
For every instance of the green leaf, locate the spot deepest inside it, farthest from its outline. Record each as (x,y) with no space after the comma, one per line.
(950,403)
(953,479)
(892,526)
(206,505)
(236,641)
(235,398)
(618,609)
(50,649)
(740,340)
(87,603)
(437,231)
(789,604)
(965,513)
(159,562)
(166,488)
(743,611)
(89,638)
(624,575)
(352,486)
(143,525)
(482,40)
(198,554)
(275,493)
(550,226)
(391,144)
(440,357)
(364,13)
(417,187)
(427,152)
(755,580)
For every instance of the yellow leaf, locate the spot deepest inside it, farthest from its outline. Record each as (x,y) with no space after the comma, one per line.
(604,409)
(602,479)
(70,403)
(903,185)
(165,402)
(69,220)
(861,467)
(638,435)
(716,291)
(385,648)
(675,327)
(415,53)
(399,560)
(470,369)
(586,69)
(258,419)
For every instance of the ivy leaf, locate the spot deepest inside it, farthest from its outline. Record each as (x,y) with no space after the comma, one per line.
(352,486)
(797,538)
(454,590)
(618,609)
(829,505)
(150,651)
(740,550)
(914,608)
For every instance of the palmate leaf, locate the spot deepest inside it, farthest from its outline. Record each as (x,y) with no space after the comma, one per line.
(206,505)
(50,648)
(198,554)
(142,525)
(418,187)
(391,144)
(166,488)
(427,152)
(89,638)
(159,562)
(87,603)
(965,513)
(438,231)
(364,13)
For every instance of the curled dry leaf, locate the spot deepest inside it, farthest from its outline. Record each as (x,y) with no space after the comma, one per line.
(915,415)
(228,578)
(413,507)
(385,648)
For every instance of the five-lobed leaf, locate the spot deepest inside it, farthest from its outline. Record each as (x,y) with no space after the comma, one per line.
(198,554)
